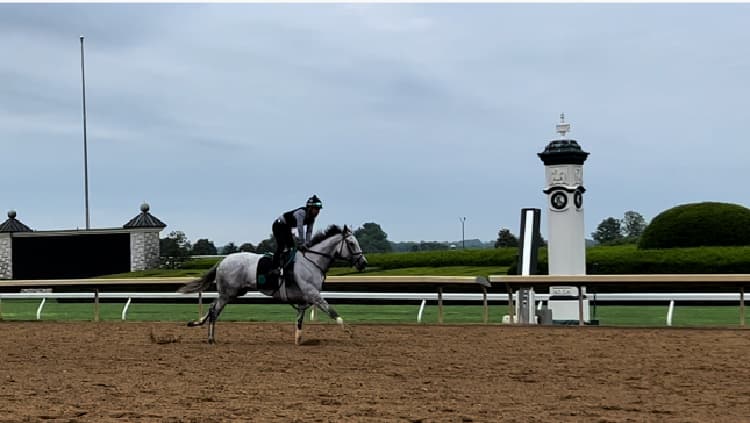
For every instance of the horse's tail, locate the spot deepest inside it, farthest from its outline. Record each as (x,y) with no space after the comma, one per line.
(200,285)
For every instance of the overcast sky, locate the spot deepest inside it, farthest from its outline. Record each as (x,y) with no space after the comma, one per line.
(222,116)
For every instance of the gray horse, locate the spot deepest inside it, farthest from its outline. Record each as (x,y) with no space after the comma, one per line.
(239,273)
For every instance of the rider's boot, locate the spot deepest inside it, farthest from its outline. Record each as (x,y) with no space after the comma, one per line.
(289,274)
(278,265)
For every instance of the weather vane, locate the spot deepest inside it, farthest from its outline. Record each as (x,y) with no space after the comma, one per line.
(562,127)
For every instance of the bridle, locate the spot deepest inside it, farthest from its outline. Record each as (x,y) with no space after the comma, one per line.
(353,255)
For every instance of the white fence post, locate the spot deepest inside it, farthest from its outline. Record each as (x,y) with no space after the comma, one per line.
(39,309)
(125,309)
(670,312)
(421,309)
(496,298)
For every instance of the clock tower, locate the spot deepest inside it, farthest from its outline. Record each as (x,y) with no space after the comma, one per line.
(566,247)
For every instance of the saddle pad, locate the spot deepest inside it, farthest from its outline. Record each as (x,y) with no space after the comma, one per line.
(266,281)
(264,264)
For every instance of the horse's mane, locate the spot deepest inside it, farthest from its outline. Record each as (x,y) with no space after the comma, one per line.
(323,235)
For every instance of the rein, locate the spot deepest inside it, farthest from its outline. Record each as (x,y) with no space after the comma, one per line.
(332,258)
(328,256)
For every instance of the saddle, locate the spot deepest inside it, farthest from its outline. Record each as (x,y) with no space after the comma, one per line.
(269,277)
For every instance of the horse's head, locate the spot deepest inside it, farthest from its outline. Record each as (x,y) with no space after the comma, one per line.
(349,249)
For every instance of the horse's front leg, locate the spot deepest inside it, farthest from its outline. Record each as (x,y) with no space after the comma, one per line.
(323,305)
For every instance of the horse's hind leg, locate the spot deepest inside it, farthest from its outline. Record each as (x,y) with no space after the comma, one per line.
(202,320)
(213,315)
(300,317)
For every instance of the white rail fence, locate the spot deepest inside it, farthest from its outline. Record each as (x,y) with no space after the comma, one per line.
(422,298)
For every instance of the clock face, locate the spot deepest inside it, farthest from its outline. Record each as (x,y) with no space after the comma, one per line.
(559,200)
(578,199)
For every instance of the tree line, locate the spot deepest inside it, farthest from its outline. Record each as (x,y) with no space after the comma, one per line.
(610,231)
(370,236)
(627,230)
(176,244)
(373,239)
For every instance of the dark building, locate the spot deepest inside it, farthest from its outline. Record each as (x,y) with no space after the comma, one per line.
(72,254)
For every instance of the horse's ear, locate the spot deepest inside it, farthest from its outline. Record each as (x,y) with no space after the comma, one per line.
(346,229)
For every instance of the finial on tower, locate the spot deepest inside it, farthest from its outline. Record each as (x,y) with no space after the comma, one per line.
(562,127)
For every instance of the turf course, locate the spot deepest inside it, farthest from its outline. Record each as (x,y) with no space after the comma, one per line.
(611,315)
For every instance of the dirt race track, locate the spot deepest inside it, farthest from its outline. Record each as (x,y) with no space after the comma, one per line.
(158,372)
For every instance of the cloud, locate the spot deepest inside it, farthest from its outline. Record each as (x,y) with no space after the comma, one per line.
(224,115)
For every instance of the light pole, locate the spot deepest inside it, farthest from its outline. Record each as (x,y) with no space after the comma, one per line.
(85,149)
(463,241)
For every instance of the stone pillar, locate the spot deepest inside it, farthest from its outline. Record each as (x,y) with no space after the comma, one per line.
(6,257)
(144,250)
(144,240)
(6,243)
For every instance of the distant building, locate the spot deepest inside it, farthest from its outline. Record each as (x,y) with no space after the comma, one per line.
(72,254)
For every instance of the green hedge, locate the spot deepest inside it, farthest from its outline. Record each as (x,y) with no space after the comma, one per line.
(200,263)
(622,259)
(628,259)
(699,224)
(477,257)
(482,257)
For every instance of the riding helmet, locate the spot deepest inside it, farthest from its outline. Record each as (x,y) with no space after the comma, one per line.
(314,201)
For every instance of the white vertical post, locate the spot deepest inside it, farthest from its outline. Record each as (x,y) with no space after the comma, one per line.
(580,306)
(528,237)
(421,309)
(670,312)
(39,309)
(125,310)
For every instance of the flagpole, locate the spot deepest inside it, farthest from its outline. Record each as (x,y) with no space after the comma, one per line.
(85,148)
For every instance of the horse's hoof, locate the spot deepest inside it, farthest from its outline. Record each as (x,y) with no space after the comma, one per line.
(211,341)
(340,321)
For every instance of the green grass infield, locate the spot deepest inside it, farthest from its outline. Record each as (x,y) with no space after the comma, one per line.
(609,315)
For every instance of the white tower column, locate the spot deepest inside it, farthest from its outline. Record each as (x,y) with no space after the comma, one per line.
(566,247)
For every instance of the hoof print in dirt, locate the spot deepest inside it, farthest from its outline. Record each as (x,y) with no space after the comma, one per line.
(164,339)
